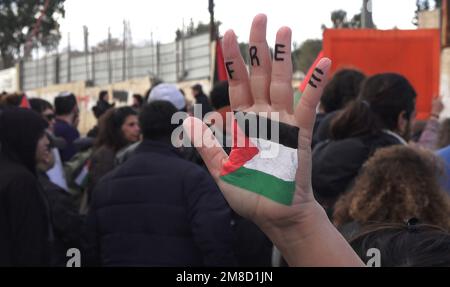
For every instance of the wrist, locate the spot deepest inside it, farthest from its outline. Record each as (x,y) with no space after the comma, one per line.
(313,242)
(292,235)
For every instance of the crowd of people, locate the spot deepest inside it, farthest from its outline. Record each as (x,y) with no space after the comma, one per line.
(369,176)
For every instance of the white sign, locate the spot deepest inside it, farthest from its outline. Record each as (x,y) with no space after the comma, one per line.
(8,81)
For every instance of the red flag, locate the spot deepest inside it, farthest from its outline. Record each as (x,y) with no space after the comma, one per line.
(24,102)
(311,70)
(219,71)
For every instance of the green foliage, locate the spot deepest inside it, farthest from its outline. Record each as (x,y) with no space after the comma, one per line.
(192,30)
(339,19)
(17,20)
(304,57)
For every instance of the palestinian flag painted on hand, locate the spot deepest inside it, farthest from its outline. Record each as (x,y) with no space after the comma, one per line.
(261,164)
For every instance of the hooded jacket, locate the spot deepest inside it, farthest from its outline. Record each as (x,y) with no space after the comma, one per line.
(25,229)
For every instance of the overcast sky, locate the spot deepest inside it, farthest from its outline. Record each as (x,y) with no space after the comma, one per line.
(163,17)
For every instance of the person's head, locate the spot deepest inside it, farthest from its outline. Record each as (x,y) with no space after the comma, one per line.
(396,184)
(343,88)
(169,93)
(66,108)
(45,109)
(22,136)
(2,95)
(444,134)
(197,89)
(386,102)
(219,95)
(138,100)
(155,120)
(103,96)
(11,100)
(404,245)
(118,127)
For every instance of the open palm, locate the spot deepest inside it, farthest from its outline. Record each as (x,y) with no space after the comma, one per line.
(268,88)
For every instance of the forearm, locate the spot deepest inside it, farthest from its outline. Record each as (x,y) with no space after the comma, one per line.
(429,136)
(314,243)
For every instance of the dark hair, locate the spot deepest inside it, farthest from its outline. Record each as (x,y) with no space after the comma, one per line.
(342,89)
(12,100)
(139,98)
(198,88)
(381,100)
(219,95)
(155,120)
(405,245)
(40,105)
(110,128)
(20,131)
(65,104)
(102,95)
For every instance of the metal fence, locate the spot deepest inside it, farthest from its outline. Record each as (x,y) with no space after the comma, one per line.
(184,60)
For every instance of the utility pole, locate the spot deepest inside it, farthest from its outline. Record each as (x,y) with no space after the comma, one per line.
(154,55)
(109,57)
(86,51)
(366,15)
(69,52)
(124,51)
(212,25)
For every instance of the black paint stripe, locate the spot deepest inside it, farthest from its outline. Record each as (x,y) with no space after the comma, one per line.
(288,135)
(319,71)
(312,84)
(316,78)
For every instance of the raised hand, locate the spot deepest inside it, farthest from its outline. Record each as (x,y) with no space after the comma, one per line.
(268,89)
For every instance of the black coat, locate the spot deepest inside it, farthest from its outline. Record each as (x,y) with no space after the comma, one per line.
(322,127)
(158,209)
(335,164)
(66,220)
(24,222)
(203,100)
(25,227)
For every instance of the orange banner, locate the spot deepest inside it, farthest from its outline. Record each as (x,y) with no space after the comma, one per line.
(412,53)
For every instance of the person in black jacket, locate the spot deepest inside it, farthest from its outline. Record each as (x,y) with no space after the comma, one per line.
(342,89)
(25,227)
(158,209)
(201,99)
(381,116)
(99,109)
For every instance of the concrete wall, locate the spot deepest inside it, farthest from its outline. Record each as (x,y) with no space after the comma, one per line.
(184,60)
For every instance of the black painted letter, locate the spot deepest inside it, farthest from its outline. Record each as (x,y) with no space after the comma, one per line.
(253,55)
(229,70)
(278,52)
